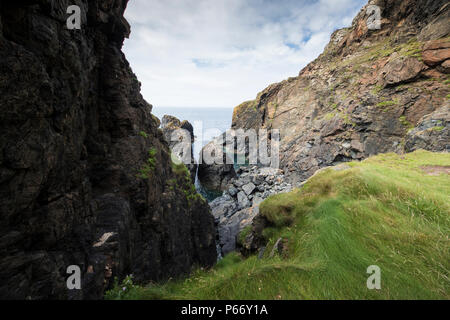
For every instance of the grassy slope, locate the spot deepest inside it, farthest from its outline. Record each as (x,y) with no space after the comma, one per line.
(383,211)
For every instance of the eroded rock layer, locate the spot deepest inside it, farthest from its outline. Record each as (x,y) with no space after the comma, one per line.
(85,175)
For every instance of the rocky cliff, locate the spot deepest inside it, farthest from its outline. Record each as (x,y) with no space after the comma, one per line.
(371,91)
(85,174)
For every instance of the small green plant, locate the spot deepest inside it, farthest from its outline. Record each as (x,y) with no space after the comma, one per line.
(412,48)
(149,167)
(439,128)
(243,234)
(143,134)
(405,122)
(329,116)
(388,103)
(183,183)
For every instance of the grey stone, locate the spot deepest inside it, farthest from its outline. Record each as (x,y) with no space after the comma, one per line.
(238,183)
(257,179)
(232,191)
(227,236)
(243,200)
(248,188)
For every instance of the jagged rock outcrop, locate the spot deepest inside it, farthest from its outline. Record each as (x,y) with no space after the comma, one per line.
(371,91)
(85,174)
(170,126)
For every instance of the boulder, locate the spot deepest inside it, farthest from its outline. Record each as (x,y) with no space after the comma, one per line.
(243,200)
(215,173)
(229,229)
(249,188)
(436,51)
(401,69)
(233,191)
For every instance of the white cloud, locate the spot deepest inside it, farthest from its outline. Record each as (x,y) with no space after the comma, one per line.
(219,53)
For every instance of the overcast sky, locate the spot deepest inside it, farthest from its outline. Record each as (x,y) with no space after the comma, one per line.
(219,53)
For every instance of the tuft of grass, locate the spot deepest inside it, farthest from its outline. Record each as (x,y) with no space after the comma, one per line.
(385,211)
(243,234)
(376,90)
(279,211)
(143,134)
(405,122)
(387,103)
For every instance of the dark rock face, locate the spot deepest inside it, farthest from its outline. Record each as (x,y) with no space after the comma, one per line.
(79,184)
(215,177)
(432,132)
(216,169)
(170,125)
(371,91)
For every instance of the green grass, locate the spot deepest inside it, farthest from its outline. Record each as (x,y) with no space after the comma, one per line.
(149,166)
(183,183)
(388,103)
(408,125)
(384,211)
(376,90)
(243,234)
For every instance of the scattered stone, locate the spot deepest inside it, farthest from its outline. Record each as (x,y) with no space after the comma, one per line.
(238,183)
(233,191)
(243,200)
(241,203)
(248,188)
